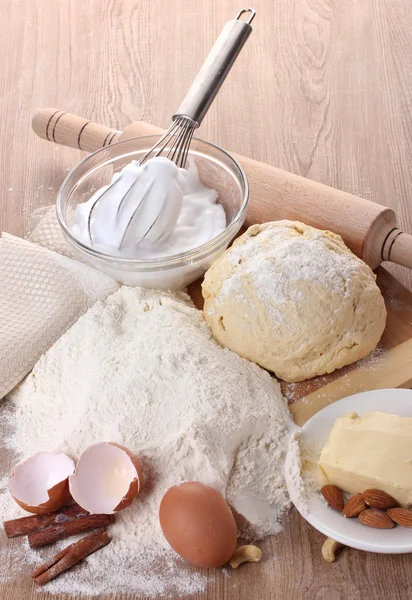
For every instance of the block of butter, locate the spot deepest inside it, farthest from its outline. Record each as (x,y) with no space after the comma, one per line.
(373,451)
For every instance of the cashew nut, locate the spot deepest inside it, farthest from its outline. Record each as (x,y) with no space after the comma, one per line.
(329,549)
(243,554)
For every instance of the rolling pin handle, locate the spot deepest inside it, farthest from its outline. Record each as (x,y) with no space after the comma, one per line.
(398,248)
(70,130)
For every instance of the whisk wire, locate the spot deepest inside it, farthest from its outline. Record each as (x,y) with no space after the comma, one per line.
(156,219)
(166,139)
(89,220)
(185,148)
(175,146)
(124,198)
(134,213)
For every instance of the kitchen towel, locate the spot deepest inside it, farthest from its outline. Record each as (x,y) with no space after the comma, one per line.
(42,293)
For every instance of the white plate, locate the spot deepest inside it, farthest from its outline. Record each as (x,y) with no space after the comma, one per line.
(330,522)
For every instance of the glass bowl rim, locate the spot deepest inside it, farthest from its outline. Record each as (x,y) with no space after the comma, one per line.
(195,253)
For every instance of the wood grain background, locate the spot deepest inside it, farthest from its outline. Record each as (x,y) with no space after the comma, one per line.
(323,88)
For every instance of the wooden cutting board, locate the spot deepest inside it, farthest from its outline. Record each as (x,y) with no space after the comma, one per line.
(389,366)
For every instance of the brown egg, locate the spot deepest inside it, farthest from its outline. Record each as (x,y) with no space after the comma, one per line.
(198,524)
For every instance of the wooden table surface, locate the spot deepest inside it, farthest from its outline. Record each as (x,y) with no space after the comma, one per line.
(323,88)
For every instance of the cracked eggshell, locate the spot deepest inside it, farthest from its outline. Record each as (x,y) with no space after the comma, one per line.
(40,484)
(107,478)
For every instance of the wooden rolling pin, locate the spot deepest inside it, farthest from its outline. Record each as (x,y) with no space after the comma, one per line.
(369,229)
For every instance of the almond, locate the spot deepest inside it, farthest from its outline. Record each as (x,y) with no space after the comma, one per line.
(333,496)
(354,506)
(402,516)
(376,518)
(380,500)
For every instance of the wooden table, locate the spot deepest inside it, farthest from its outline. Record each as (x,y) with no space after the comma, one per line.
(323,88)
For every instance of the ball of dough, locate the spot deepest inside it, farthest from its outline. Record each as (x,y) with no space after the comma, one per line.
(293,299)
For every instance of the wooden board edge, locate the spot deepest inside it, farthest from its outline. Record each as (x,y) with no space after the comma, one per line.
(395,371)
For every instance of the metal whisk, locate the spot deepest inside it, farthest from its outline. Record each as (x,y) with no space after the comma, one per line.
(176,140)
(174,144)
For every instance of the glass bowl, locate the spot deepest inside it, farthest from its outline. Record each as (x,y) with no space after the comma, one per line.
(217,169)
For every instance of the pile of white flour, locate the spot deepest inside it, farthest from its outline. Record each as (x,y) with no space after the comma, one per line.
(142,369)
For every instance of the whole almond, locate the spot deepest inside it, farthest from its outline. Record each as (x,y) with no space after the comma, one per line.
(380,500)
(333,496)
(402,516)
(354,506)
(376,518)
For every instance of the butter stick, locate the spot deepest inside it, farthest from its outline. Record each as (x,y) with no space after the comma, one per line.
(372,451)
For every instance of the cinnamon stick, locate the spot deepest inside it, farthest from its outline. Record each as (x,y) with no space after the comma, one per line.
(64,530)
(70,556)
(26,525)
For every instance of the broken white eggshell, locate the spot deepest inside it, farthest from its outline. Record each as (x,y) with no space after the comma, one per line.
(40,484)
(107,478)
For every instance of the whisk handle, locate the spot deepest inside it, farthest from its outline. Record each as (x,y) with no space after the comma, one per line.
(216,67)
